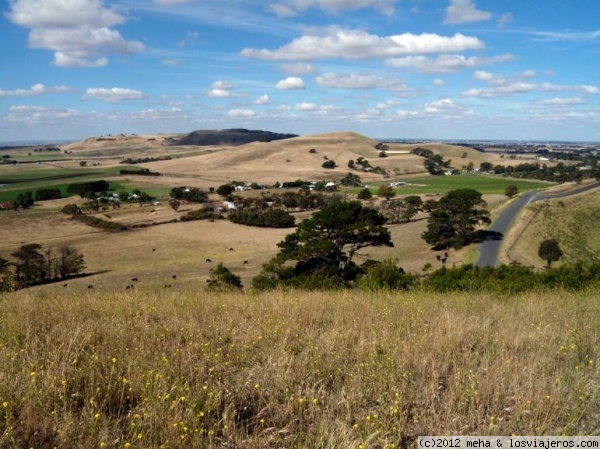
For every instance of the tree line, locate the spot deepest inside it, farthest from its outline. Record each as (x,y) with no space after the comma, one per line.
(31,265)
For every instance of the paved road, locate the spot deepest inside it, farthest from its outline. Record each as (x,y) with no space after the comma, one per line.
(489,248)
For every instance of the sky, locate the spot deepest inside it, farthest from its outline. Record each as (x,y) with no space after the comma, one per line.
(405,69)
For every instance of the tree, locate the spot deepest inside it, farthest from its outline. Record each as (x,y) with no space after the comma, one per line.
(386,192)
(329,164)
(69,261)
(486,166)
(225,190)
(174,203)
(385,275)
(30,264)
(365,194)
(511,190)
(550,251)
(323,247)
(350,179)
(24,200)
(452,223)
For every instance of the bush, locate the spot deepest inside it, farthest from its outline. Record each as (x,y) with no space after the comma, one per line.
(201,214)
(328,164)
(71,209)
(99,223)
(386,275)
(221,278)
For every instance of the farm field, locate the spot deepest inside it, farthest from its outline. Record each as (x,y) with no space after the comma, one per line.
(188,368)
(113,259)
(486,184)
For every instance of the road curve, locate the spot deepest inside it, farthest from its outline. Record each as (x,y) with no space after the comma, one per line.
(489,248)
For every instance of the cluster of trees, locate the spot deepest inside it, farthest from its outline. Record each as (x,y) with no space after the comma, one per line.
(32,265)
(269,218)
(363,164)
(143,160)
(434,163)
(191,194)
(321,252)
(140,172)
(453,219)
(83,188)
(48,194)
(402,210)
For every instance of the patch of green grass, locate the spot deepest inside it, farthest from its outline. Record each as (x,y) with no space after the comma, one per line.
(443,184)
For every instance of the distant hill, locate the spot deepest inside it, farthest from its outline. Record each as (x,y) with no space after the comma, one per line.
(230,137)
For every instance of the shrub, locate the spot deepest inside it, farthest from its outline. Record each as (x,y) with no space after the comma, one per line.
(221,278)
(329,164)
(201,214)
(365,194)
(71,209)
(385,275)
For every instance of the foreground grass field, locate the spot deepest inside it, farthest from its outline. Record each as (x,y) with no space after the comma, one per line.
(152,369)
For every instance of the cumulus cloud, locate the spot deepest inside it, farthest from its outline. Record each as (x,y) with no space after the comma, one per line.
(439,82)
(221,89)
(342,43)
(114,95)
(446,63)
(359,81)
(36,89)
(464,11)
(291,83)
(77,31)
(262,100)
(288,8)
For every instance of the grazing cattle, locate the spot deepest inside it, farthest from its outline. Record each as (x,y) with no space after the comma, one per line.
(230,249)
(153,249)
(90,286)
(444,260)
(208,261)
(64,285)
(134,279)
(167,285)
(438,257)
(174,276)
(245,262)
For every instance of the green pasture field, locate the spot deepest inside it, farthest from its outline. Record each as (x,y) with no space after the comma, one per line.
(32,179)
(443,184)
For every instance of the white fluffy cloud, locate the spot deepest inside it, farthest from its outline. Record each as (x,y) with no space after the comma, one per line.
(241,113)
(557,101)
(262,100)
(342,43)
(113,95)
(291,83)
(359,81)
(464,11)
(77,31)
(288,8)
(221,89)
(36,89)
(446,63)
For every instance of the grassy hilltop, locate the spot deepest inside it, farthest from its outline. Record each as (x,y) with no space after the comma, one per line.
(152,369)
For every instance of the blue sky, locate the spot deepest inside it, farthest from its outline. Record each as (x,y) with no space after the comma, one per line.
(431,69)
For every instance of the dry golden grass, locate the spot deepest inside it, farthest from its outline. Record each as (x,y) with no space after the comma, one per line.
(573,221)
(152,368)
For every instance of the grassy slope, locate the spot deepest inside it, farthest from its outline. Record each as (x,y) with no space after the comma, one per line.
(187,368)
(573,221)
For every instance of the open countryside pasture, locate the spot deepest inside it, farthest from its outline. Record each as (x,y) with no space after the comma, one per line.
(486,184)
(151,367)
